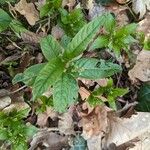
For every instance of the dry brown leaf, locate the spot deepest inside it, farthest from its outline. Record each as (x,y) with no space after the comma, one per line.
(65,124)
(143,142)
(144,26)
(102,82)
(17,105)
(94,143)
(120,14)
(30,37)
(57,32)
(42,117)
(95,123)
(118,131)
(141,70)
(28,11)
(4,102)
(87,82)
(140,7)
(123,130)
(51,140)
(84,93)
(69,3)
(95,10)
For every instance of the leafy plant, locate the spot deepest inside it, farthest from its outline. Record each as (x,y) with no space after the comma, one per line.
(147,44)
(115,38)
(144,98)
(64,66)
(5,20)
(109,92)
(72,21)
(5,1)
(44,103)
(8,22)
(14,130)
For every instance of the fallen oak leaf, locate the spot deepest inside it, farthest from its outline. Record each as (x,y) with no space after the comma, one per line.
(84,93)
(123,130)
(65,124)
(31,38)
(49,139)
(140,6)
(141,70)
(95,122)
(28,11)
(42,118)
(143,26)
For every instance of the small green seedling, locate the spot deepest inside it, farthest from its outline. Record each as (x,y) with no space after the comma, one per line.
(109,92)
(13,129)
(65,66)
(71,22)
(50,8)
(114,38)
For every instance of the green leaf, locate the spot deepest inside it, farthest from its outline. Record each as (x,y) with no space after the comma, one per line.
(126,30)
(65,41)
(50,8)
(94,101)
(104,90)
(116,92)
(20,146)
(112,102)
(100,42)
(17,27)
(144,98)
(70,25)
(110,23)
(83,37)
(21,114)
(5,1)
(47,76)
(3,134)
(44,10)
(5,20)
(50,47)
(30,130)
(29,75)
(102,71)
(18,78)
(85,63)
(65,92)
(147,44)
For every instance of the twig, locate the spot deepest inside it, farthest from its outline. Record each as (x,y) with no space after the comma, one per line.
(7,93)
(128,105)
(21,88)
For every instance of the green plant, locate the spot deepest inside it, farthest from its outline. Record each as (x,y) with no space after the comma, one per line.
(115,38)
(8,22)
(51,7)
(144,98)
(72,21)
(64,66)
(44,102)
(109,92)
(6,1)
(14,130)
(5,20)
